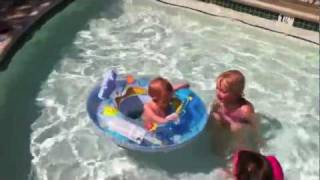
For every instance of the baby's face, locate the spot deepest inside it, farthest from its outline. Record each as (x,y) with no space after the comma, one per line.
(225,95)
(167,98)
(163,100)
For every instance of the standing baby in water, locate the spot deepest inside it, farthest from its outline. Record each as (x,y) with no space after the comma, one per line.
(231,111)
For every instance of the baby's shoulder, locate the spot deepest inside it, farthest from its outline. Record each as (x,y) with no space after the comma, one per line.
(247,109)
(150,106)
(148,110)
(247,106)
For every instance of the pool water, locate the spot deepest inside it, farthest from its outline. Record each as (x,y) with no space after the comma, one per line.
(44,91)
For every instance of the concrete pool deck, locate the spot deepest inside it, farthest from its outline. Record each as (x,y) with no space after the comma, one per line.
(306,11)
(23,19)
(275,26)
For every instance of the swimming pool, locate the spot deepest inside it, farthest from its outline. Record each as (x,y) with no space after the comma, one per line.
(47,83)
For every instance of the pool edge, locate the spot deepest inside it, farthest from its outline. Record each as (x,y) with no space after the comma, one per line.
(251,20)
(17,38)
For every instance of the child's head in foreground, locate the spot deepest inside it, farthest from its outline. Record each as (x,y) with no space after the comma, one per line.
(249,165)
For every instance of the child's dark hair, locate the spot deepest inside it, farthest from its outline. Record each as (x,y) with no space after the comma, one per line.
(159,89)
(252,166)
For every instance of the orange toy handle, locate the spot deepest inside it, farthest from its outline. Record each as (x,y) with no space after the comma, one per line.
(130,79)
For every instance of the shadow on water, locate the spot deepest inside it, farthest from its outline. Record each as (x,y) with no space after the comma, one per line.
(268,126)
(193,158)
(30,67)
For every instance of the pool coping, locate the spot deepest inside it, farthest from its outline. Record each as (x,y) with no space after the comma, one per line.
(309,13)
(270,25)
(16,38)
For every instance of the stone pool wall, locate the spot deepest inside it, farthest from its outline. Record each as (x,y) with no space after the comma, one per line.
(263,14)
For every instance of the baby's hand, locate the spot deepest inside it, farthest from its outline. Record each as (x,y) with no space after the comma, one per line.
(236,127)
(185,85)
(172,117)
(181,86)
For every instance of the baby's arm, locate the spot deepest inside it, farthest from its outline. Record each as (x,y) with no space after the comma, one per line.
(249,115)
(180,86)
(216,116)
(247,119)
(255,123)
(149,114)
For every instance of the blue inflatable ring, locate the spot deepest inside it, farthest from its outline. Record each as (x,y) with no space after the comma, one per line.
(124,113)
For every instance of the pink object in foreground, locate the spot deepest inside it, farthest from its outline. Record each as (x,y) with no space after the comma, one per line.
(277,171)
(276,168)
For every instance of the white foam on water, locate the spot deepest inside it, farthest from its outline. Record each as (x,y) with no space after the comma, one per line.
(149,39)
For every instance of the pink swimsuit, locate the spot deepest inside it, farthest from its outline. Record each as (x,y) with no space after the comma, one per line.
(276,168)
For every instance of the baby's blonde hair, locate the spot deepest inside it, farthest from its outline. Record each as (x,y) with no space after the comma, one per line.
(232,80)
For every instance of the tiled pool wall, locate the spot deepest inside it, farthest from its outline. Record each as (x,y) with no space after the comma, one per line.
(300,23)
(267,14)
